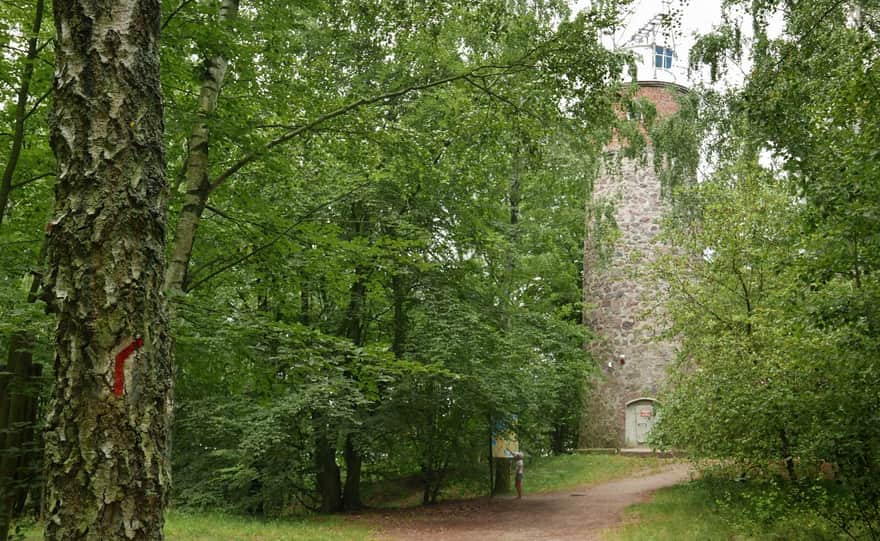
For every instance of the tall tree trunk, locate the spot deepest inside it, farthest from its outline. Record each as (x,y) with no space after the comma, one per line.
(20,110)
(5,435)
(351,492)
(197,164)
(327,475)
(502,475)
(491,460)
(513,199)
(557,439)
(305,306)
(428,474)
(107,434)
(326,470)
(501,483)
(354,328)
(398,334)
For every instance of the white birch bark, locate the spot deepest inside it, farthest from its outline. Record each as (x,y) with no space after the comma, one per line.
(107,446)
(197,166)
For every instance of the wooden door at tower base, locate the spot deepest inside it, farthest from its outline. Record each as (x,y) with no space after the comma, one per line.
(641,415)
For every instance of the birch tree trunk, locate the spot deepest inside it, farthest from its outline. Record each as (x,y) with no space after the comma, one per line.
(107,434)
(198,185)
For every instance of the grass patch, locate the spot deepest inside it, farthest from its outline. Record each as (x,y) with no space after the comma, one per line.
(713,509)
(207,527)
(683,512)
(185,526)
(542,474)
(548,474)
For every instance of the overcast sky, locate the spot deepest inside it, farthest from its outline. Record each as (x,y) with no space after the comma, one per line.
(698,16)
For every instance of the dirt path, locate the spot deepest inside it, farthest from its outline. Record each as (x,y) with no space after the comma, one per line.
(578,514)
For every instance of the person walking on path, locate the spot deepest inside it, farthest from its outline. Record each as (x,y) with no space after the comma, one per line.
(518,457)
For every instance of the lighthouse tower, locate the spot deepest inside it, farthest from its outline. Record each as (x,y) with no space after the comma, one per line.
(622,406)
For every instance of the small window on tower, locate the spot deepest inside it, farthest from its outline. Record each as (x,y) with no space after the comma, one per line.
(662,57)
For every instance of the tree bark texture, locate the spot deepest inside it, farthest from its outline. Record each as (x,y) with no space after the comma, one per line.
(491,457)
(351,491)
(355,331)
(400,321)
(326,470)
(20,111)
(354,328)
(198,185)
(108,427)
(502,475)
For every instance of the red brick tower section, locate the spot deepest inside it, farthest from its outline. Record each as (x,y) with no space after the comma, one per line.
(631,358)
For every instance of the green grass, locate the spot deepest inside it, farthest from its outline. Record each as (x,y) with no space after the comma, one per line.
(542,475)
(184,526)
(720,510)
(568,471)
(207,527)
(683,512)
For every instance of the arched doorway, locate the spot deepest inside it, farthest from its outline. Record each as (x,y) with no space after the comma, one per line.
(641,414)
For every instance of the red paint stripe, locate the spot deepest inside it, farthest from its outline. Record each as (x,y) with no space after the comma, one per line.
(119,376)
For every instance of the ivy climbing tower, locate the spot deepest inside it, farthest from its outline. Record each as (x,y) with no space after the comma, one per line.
(623,221)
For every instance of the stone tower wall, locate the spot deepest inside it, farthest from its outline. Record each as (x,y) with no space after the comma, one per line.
(618,291)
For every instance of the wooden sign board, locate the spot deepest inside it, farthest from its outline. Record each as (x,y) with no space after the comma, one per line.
(505,446)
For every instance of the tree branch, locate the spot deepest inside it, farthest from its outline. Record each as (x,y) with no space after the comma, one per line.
(32,179)
(20,107)
(285,233)
(249,158)
(483,71)
(14,49)
(175,12)
(44,45)
(494,95)
(37,103)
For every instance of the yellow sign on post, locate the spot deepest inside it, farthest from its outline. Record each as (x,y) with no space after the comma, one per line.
(505,445)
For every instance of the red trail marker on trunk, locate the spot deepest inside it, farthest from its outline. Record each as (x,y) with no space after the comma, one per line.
(119,375)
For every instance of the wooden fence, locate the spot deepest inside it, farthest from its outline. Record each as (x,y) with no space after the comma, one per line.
(20,440)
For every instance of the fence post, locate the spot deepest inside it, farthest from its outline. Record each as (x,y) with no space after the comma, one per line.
(17,396)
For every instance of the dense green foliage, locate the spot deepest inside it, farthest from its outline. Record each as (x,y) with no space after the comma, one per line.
(544,473)
(30,172)
(388,261)
(26,174)
(718,509)
(403,274)
(389,257)
(772,278)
